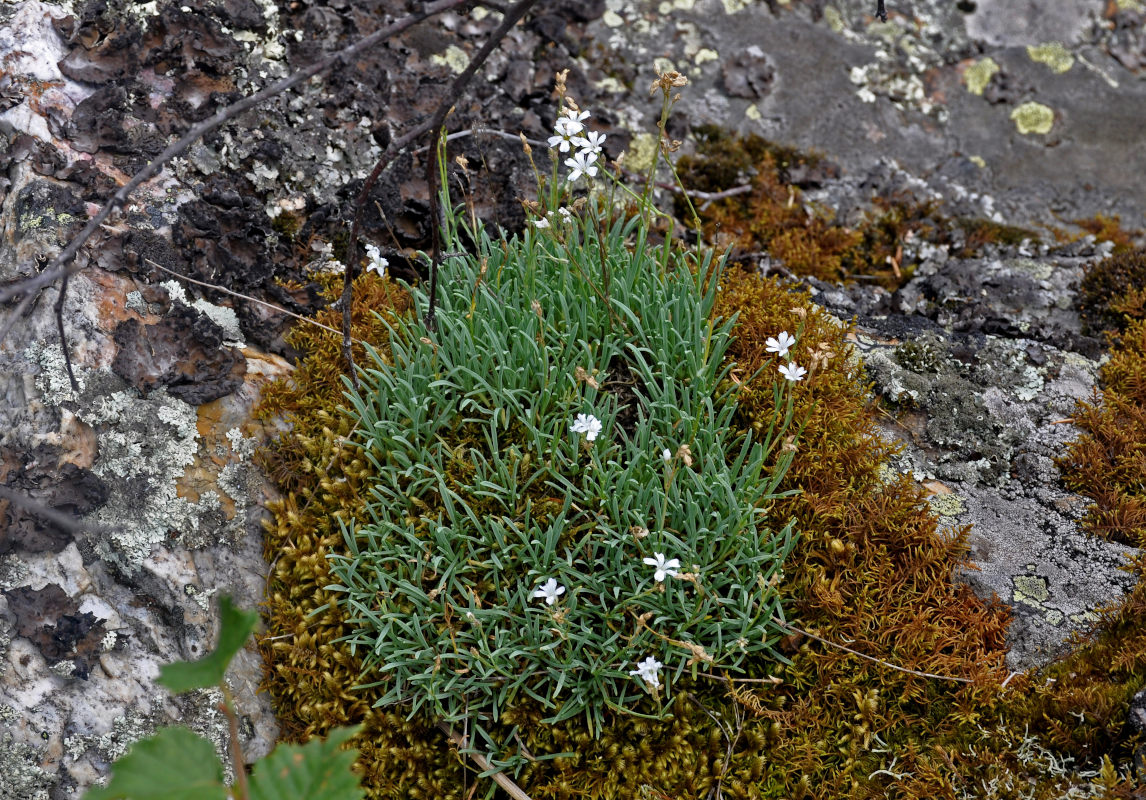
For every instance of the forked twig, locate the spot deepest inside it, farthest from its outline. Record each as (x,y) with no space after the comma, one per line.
(510,18)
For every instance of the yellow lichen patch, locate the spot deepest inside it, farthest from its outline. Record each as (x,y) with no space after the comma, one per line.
(979,74)
(1032,117)
(1053,54)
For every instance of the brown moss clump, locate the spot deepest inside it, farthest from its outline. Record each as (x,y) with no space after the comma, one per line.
(1109,229)
(1108,462)
(1113,291)
(773,216)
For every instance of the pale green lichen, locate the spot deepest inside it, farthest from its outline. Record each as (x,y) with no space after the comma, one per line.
(1053,54)
(979,74)
(642,150)
(455,58)
(704,55)
(734,6)
(20,776)
(1030,590)
(978,161)
(834,19)
(30,221)
(1032,117)
(946,505)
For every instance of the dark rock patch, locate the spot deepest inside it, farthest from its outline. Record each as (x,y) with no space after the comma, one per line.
(183,352)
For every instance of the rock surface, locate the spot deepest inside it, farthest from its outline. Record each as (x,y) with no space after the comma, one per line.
(1017,110)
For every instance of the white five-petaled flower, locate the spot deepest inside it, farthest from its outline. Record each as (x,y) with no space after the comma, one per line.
(566,131)
(647,671)
(548,591)
(541,223)
(574,120)
(780,344)
(586,424)
(663,567)
(581,164)
(377,262)
(793,372)
(591,142)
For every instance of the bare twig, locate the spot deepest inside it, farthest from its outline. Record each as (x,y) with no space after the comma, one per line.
(510,18)
(272,306)
(500,778)
(462,134)
(63,263)
(63,333)
(881,12)
(66,521)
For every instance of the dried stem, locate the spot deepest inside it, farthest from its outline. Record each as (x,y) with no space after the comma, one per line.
(242,792)
(873,659)
(500,778)
(272,306)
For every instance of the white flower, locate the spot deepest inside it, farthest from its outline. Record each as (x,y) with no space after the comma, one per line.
(566,131)
(779,344)
(647,671)
(792,372)
(574,120)
(590,143)
(541,223)
(560,142)
(565,213)
(581,164)
(586,424)
(666,454)
(377,263)
(663,567)
(549,591)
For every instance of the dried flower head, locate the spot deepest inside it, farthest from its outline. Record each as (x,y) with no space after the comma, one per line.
(667,80)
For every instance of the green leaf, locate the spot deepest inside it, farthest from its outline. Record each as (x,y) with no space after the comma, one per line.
(317,770)
(234,628)
(174,764)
